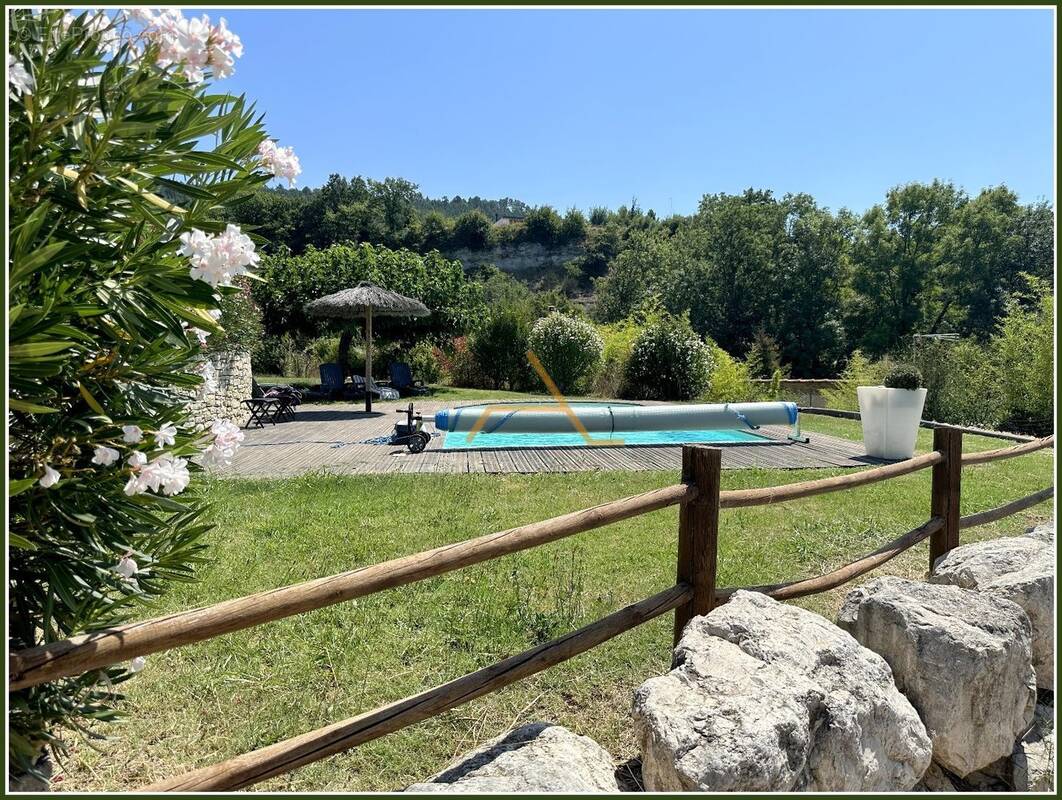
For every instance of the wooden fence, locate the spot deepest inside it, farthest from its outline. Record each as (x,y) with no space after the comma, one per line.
(695,592)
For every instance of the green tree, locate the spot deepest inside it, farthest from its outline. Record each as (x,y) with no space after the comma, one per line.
(573,227)
(896,264)
(471,230)
(543,226)
(500,349)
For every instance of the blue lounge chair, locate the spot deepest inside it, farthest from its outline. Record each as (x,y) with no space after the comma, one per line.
(332,381)
(402,380)
(378,391)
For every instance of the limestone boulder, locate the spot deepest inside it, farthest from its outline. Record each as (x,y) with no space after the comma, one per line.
(1045,532)
(1020,569)
(769,697)
(536,758)
(962,658)
(1033,760)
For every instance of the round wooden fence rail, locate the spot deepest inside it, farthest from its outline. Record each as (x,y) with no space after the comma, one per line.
(841,575)
(276,759)
(1008,452)
(742,498)
(699,499)
(109,646)
(1003,511)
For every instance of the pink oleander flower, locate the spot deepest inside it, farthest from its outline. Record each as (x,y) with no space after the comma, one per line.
(105,456)
(193,45)
(227,439)
(50,477)
(219,258)
(281,161)
(136,460)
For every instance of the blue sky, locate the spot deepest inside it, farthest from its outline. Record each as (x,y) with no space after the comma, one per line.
(585,108)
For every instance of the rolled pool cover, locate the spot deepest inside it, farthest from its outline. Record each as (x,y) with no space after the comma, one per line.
(615,418)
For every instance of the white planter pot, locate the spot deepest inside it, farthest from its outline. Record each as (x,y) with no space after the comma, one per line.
(890,420)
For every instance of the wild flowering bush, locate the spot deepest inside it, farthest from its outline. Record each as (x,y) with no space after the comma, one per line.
(121,161)
(569,349)
(668,362)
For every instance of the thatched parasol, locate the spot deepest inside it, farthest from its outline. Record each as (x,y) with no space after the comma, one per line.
(366,300)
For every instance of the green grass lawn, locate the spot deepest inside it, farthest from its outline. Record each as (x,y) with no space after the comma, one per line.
(203,703)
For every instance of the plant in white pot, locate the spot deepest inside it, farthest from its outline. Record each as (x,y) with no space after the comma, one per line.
(891,413)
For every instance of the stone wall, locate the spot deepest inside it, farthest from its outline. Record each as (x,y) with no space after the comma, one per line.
(231,386)
(523,257)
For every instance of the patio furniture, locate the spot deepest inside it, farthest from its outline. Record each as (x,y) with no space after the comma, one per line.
(268,407)
(402,380)
(332,381)
(379,390)
(364,300)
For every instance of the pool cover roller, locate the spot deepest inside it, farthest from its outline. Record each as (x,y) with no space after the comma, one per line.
(615,418)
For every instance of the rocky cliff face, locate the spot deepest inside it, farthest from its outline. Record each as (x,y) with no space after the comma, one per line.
(523,257)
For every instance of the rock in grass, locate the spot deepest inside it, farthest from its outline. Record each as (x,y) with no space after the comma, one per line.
(769,697)
(963,659)
(1020,569)
(538,757)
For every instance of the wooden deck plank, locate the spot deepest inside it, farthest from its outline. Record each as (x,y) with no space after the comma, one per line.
(338,437)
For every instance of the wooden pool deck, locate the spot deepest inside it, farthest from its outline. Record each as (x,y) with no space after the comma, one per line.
(337,438)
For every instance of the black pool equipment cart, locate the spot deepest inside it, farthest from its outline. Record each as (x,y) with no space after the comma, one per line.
(411,433)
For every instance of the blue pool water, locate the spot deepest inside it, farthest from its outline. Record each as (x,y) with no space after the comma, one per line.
(507,441)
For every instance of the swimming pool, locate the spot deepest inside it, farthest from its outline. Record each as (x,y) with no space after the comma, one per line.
(460,440)
(515,425)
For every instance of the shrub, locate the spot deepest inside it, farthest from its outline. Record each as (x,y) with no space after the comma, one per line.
(598,215)
(266,356)
(903,376)
(241,323)
(103,346)
(543,226)
(669,362)
(860,371)
(962,387)
(1022,351)
(569,349)
(461,366)
(423,358)
(471,230)
(618,341)
(573,227)
(731,382)
(764,358)
(500,350)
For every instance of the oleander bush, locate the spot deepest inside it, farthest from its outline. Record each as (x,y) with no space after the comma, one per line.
(669,361)
(121,160)
(569,349)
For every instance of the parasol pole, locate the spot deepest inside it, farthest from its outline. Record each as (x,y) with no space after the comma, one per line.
(368,359)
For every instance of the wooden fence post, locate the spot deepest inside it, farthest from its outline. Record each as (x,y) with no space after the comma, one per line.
(947,482)
(698,532)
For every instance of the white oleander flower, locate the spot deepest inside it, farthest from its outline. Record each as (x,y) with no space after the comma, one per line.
(19,79)
(165,436)
(126,567)
(50,477)
(137,664)
(105,456)
(131,434)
